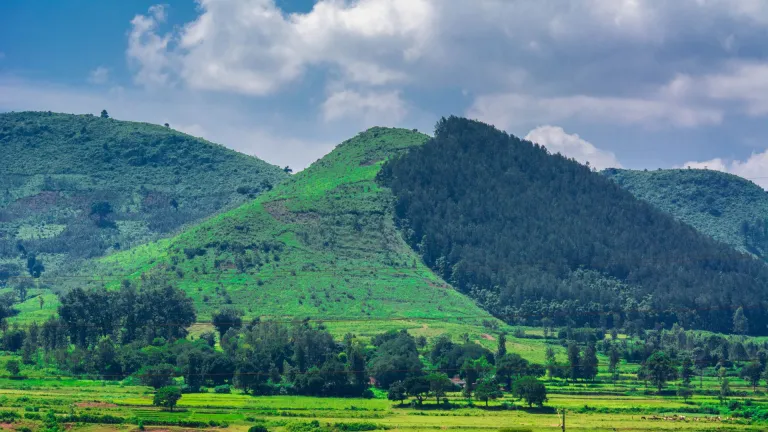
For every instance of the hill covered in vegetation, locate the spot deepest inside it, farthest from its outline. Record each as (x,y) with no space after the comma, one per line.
(726,207)
(322,244)
(74,187)
(538,238)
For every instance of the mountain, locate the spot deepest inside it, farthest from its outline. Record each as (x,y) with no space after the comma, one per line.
(322,244)
(74,187)
(723,206)
(538,237)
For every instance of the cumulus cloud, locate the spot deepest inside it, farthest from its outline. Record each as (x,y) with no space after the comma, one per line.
(754,168)
(556,140)
(147,51)
(100,75)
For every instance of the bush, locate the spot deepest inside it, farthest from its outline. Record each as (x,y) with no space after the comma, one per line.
(9,416)
(258,429)
(223,389)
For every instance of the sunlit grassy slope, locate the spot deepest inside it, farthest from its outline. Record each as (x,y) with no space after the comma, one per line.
(321,245)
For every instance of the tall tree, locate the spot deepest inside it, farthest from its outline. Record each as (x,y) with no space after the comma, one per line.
(740,323)
(574,361)
(502,347)
(589,363)
(659,368)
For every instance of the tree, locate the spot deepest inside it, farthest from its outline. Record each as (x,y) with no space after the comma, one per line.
(660,369)
(502,349)
(752,372)
(725,390)
(104,114)
(287,169)
(439,384)
(13,367)
(487,389)
(686,370)
(684,391)
(166,125)
(531,390)
(397,392)
(35,266)
(574,361)
(417,387)
(740,323)
(101,209)
(589,363)
(227,318)
(551,361)
(156,376)
(167,397)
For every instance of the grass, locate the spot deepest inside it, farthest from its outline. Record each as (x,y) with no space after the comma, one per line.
(595,412)
(321,245)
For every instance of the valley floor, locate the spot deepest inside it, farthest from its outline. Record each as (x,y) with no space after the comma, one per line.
(95,403)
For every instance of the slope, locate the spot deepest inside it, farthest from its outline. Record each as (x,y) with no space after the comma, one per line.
(726,207)
(78,186)
(535,236)
(321,245)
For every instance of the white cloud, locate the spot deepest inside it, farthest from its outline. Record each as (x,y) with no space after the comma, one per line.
(252,47)
(147,51)
(372,108)
(100,75)
(556,140)
(754,168)
(506,110)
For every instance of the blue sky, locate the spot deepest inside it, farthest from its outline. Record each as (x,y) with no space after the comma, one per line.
(631,83)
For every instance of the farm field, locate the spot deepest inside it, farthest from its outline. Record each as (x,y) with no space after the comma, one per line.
(79,399)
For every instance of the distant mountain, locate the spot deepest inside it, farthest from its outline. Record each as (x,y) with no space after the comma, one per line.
(537,237)
(78,186)
(726,207)
(322,244)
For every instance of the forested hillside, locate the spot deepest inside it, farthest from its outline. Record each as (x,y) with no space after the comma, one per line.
(322,244)
(79,186)
(537,237)
(724,206)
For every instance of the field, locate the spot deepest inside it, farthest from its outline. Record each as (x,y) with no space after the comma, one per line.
(627,405)
(592,411)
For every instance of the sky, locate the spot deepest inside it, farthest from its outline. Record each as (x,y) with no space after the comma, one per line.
(641,84)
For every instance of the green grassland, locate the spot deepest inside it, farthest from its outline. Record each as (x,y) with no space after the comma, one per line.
(321,245)
(713,202)
(54,167)
(598,407)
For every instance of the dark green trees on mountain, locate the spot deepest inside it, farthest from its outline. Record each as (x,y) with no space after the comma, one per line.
(532,235)
(726,207)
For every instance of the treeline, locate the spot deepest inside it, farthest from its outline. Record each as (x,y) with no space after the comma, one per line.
(536,236)
(140,333)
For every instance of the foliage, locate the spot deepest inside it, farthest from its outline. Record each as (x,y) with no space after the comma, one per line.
(724,206)
(167,397)
(60,171)
(533,235)
(531,390)
(659,368)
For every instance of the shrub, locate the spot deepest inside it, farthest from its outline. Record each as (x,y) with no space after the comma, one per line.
(223,389)
(258,429)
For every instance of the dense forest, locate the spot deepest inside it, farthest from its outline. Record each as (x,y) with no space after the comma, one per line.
(74,187)
(723,206)
(539,238)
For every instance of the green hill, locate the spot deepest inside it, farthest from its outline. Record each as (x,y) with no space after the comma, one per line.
(74,187)
(322,244)
(724,206)
(536,237)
